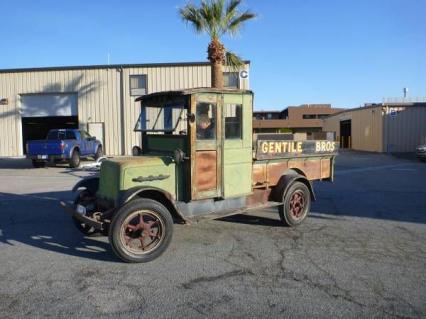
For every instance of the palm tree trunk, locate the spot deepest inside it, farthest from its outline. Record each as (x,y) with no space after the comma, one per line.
(217,75)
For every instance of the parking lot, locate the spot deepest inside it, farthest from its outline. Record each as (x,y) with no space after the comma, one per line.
(361,253)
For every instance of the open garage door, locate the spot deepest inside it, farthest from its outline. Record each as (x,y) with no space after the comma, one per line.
(42,112)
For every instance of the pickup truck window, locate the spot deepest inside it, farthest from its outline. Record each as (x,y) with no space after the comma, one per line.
(84,135)
(70,135)
(52,135)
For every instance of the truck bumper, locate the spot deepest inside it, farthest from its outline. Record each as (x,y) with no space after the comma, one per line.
(47,158)
(84,219)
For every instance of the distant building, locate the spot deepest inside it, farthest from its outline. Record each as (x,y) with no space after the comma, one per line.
(96,98)
(306,118)
(380,127)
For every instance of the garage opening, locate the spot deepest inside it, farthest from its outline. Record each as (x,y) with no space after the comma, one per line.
(42,112)
(345,134)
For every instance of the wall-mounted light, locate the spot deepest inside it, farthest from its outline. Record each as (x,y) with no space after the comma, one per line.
(4,101)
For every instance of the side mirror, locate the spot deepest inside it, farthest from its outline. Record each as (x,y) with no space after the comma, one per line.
(136,150)
(178,156)
(191,117)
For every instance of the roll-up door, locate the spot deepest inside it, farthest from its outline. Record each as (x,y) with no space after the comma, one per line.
(42,105)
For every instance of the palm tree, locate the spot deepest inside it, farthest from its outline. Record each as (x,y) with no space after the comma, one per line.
(217,18)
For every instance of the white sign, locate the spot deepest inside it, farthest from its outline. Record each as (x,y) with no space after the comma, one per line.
(244,74)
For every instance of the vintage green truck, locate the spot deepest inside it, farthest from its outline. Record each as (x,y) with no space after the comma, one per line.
(199,159)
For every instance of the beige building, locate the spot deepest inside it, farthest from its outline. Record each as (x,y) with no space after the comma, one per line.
(99,99)
(384,127)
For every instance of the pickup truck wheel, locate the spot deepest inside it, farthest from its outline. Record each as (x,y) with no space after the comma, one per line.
(82,198)
(38,164)
(75,159)
(141,231)
(99,153)
(296,204)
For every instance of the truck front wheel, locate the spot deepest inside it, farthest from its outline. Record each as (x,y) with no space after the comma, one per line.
(296,204)
(75,159)
(83,198)
(141,231)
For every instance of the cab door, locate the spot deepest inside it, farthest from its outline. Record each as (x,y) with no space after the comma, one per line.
(206,146)
(237,135)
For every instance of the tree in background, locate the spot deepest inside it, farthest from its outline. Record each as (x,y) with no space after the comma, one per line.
(217,18)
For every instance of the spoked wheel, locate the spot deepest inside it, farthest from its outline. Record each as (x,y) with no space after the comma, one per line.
(84,198)
(296,204)
(141,231)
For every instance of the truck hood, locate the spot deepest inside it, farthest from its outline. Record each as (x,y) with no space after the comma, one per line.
(120,174)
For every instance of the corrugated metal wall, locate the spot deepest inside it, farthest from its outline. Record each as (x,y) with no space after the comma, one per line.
(98,98)
(405,129)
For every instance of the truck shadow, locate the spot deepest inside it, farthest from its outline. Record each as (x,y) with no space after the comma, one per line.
(37,220)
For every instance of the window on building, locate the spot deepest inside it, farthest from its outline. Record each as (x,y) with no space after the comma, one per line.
(309,116)
(138,85)
(233,121)
(322,116)
(231,80)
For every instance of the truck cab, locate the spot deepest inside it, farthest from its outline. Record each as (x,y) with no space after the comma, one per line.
(199,159)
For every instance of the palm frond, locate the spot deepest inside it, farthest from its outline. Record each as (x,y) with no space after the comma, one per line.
(191,15)
(233,61)
(236,23)
(231,11)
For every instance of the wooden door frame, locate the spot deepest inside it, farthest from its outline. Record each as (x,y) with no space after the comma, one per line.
(207,145)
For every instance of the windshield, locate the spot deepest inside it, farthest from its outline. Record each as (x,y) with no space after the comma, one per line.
(169,118)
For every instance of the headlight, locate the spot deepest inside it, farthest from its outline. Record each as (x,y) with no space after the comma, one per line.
(422,148)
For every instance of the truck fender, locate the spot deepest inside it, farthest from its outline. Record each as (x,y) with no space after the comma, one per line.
(154,193)
(285,182)
(91,184)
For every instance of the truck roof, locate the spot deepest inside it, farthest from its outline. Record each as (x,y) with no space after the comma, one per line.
(192,91)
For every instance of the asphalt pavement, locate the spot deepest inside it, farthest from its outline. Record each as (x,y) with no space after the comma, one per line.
(360,253)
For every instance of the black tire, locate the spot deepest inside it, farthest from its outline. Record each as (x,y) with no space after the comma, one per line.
(83,228)
(128,243)
(38,164)
(296,204)
(75,159)
(99,152)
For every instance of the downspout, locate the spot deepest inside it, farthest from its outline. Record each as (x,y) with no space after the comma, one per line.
(122,119)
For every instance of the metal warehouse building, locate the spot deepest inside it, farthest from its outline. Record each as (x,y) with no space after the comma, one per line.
(99,99)
(384,127)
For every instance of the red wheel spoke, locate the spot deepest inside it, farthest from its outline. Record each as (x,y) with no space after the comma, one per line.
(127,239)
(141,239)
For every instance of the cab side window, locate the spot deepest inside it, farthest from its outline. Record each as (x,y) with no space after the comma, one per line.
(233,121)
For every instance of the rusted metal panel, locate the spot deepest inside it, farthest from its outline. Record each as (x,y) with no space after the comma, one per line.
(325,168)
(259,174)
(205,170)
(275,171)
(259,196)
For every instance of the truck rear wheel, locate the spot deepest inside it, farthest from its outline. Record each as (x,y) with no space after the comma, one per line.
(296,204)
(141,231)
(75,159)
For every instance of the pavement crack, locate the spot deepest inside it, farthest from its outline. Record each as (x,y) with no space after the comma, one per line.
(200,280)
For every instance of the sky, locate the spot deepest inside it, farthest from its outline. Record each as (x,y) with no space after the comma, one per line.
(343,52)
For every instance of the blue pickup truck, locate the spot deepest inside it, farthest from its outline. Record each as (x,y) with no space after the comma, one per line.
(64,145)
